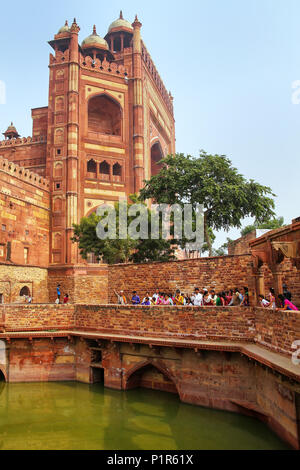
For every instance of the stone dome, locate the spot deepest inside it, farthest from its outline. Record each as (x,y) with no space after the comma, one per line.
(64,29)
(120,24)
(94,40)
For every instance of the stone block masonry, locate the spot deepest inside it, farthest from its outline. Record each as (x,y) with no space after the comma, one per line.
(275,330)
(218,273)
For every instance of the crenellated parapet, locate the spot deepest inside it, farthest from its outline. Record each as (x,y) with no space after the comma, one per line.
(157,79)
(60,57)
(104,66)
(23,174)
(23,141)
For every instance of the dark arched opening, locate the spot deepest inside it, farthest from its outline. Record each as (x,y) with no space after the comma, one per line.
(91,166)
(156,156)
(24,291)
(151,377)
(117,170)
(2,376)
(104,116)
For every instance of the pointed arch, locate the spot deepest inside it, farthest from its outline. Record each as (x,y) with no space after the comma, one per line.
(104,115)
(134,377)
(156,155)
(3,377)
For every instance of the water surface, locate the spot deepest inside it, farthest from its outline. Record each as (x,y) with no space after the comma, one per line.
(88,417)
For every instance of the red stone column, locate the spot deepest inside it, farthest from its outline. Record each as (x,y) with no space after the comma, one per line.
(72,150)
(138,112)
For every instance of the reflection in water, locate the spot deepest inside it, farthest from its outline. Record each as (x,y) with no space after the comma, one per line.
(76,416)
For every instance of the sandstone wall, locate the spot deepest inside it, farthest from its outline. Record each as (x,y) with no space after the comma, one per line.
(24,216)
(14,278)
(219,273)
(276,330)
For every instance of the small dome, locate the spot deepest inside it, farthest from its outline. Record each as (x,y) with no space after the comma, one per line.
(120,24)
(11,132)
(64,29)
(11,128)
(94,40)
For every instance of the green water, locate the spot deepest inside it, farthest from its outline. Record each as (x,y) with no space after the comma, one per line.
(76,416)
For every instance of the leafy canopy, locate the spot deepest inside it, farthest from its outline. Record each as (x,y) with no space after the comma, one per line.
(117,250)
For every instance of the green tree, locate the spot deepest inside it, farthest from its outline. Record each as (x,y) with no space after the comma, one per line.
(119,250)
(210,180)
(270,224)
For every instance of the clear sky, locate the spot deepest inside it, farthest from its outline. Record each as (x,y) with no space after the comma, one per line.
(230,65)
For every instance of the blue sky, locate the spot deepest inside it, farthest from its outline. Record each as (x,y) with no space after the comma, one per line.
(229,64)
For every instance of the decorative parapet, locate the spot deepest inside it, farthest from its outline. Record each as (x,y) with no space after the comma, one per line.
(157,79)
(23,174)
(22,141)
(104,66)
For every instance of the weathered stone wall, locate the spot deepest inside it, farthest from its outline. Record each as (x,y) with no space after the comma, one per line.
(219,273)
(84,285)
(231,323)
(14,278)
(41,360)
(25,216)
(276,330)
(241,245)
(37,317)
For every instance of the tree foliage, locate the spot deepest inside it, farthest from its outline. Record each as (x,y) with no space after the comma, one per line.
(117,250)
(210,180)
(270,224)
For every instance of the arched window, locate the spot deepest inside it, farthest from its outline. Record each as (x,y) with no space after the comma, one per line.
(104,116)
(156,156)
(117,170)
(24,291)
(91,166)
(104,169)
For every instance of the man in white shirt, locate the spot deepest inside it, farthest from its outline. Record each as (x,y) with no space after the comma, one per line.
(149,297)
(198,298)
(155,296)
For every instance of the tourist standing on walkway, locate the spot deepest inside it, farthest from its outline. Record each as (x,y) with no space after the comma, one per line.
(178,299)
(271,296)
(121,297)
(58,293)
(155,296)
(287,304)
(263,302)
(135,299)
(66,298)
(286,293)
(198,298)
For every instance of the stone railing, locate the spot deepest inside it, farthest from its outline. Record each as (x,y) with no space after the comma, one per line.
(273,329)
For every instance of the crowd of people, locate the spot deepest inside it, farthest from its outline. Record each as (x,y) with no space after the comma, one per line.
(198,298)
(283,301)
(205,297)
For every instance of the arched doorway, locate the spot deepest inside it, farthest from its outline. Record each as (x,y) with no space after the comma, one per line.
(24,291)
(151,376)
(156,156)
(2,376)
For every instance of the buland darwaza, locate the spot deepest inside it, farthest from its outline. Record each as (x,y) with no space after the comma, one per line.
(109,120)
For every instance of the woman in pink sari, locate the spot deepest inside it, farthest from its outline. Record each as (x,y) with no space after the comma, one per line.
(288,305)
